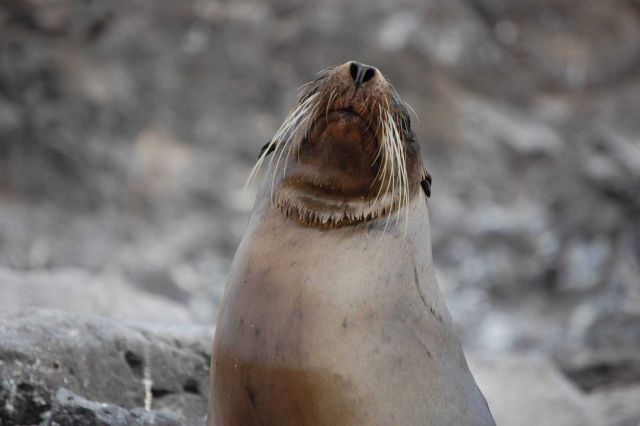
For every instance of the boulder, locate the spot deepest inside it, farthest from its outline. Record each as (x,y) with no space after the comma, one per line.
(70,409)
(129,366)
(78,291)
(530,391)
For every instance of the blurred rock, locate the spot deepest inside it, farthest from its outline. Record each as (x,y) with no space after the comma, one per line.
(529,391)
(609,357)
(566,45)
(128,366)
(620,406)
(79,292)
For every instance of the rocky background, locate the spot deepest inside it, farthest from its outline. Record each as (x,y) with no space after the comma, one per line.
(127,129)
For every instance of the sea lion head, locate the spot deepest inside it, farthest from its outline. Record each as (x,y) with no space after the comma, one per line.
(346,153)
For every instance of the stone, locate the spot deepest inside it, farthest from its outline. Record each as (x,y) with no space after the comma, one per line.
(70,409)
(619,406)
(530,391)
(101,361)
(75,290)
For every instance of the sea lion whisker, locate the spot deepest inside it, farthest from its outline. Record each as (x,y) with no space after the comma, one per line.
(323,73)
(275,169)
(286,161)
(392,177)
(308,84)
(384,165)
(410,108)
(378,116)
(283,136)
(301,120)
(402,164)
(309,119)
(389,160)
(273,144)
(378,135)
(306,119)
(293,121)
(333,95)
(396,145)
(400,156)
(312,117)
(371,116)
(254,170)
(330,102)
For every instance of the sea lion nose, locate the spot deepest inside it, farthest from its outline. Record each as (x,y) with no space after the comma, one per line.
(361,73)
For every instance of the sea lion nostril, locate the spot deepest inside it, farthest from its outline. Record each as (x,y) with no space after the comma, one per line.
(361,73)
(353,70)
(368,74)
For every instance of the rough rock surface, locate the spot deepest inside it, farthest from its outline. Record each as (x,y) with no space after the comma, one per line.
(69,409)
(126,366)
(75,290)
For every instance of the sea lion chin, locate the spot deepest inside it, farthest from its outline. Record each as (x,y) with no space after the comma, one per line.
(332,314)
(337,157)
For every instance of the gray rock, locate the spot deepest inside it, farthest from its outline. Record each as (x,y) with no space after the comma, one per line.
(609,357)
(619,406)
(530,391)
(125,365)
(75,290)
(70,409)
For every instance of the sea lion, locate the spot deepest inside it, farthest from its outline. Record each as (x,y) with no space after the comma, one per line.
(332,313)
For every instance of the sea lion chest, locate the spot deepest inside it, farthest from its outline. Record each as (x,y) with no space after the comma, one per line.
(336,326)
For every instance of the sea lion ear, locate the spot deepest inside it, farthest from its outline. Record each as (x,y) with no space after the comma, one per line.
(425,183)
(268,147)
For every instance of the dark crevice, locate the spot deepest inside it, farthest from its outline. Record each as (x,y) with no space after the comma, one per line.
(191,386)
(135,362)
(27,405)
(25,387)
(159,393)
